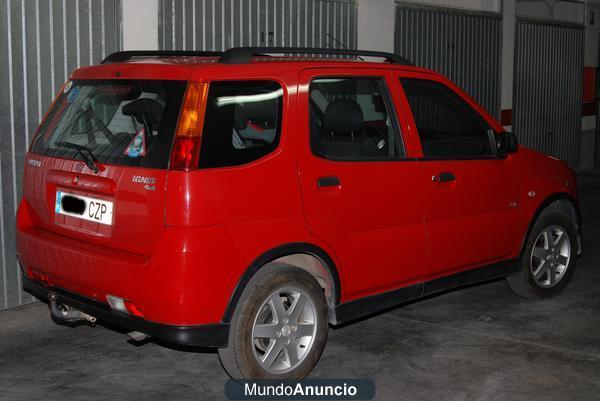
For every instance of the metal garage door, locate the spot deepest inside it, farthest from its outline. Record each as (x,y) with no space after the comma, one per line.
(221,24)
(41,42)
(548,88)
(464,46)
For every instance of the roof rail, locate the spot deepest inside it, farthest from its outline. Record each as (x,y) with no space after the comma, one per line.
(243,55)
(120,57)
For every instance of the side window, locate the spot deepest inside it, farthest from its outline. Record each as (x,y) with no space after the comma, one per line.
(351,119)
(447,125)
(242,122)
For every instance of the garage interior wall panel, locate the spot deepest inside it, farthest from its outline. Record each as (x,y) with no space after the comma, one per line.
(466,47)
(473,5)
(222,24)
(548,88)
(41,43)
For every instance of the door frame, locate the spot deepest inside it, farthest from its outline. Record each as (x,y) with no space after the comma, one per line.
(354,288)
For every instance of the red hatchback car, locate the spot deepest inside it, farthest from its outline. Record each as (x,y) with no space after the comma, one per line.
(246,202)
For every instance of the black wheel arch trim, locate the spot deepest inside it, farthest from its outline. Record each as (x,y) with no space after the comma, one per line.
(547,202)
(278,252)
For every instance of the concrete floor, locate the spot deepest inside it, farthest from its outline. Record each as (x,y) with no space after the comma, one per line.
(480,343)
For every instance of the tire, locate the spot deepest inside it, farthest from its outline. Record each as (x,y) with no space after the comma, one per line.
(547,268)
(262,343)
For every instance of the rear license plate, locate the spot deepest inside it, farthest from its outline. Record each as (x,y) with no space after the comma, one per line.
(83,207)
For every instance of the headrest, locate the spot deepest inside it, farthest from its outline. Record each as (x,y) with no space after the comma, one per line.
(149,108)
(343,116)
(262,113)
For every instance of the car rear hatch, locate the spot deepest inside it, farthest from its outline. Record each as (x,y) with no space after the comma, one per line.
(97,168)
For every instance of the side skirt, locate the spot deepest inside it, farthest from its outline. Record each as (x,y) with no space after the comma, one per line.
(362,307)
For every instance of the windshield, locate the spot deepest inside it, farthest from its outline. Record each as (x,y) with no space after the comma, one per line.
(120,122)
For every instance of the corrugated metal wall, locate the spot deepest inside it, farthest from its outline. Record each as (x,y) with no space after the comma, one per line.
(221,24)
(41,42)
(548,88)
(466,47)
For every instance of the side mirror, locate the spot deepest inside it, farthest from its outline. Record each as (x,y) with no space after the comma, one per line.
(507,143)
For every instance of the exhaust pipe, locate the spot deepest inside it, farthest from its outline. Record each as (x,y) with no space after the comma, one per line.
(66,313)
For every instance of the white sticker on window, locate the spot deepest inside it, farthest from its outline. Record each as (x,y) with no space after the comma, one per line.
(68,86)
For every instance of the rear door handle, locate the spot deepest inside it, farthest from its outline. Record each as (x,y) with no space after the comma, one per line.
(446,176)
(328,182)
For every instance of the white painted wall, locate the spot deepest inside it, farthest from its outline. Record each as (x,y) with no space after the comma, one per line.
(140,24)
(375,25)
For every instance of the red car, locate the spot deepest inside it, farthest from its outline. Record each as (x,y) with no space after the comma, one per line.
(247,202)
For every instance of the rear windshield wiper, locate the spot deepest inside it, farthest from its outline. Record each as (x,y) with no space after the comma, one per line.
(84,152)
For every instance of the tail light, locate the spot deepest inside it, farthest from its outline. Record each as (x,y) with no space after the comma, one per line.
(186,147)
(37,275)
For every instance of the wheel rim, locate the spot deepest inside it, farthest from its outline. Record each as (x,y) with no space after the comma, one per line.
(284,330)
(550,256)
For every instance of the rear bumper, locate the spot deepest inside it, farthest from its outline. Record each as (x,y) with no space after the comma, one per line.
(186,281)
(208,335)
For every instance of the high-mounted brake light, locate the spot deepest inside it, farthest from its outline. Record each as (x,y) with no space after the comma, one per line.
(186,148)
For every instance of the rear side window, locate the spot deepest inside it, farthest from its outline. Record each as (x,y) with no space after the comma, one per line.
(352,119)
(242,122)
(447,125)
(120,122)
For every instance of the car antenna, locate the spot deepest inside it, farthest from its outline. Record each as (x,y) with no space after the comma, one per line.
(341,44)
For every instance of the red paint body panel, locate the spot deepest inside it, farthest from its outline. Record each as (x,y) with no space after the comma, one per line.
(136,222)
(178,252)
(471,220)
(377,208)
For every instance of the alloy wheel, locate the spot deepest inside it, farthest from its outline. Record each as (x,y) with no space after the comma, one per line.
(284,330)
(550,256)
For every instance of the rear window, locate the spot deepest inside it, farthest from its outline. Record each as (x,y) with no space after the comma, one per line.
(120,122)
(242,122)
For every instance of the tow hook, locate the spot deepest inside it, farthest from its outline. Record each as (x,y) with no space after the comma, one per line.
(67,313)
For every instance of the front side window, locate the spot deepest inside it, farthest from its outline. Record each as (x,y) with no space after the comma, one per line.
(242,122)
(351,119)
(121,122)
(447,125)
